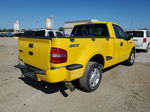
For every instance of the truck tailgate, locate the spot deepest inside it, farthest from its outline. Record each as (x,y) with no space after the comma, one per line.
(35,52)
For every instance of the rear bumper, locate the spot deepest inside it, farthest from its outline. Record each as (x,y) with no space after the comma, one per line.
(142,46)
(66,73)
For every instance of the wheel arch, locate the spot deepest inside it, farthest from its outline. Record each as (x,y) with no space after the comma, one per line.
(98,58)
(133,48)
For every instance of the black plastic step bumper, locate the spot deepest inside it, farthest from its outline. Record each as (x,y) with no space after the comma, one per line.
(30,72)
(74,67)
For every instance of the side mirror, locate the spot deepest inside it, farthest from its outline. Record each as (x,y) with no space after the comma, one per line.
(130,37)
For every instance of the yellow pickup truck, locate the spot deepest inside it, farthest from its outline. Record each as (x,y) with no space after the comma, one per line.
(90,48)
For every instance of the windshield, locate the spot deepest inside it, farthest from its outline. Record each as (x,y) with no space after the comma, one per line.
(95,30)
(136,33)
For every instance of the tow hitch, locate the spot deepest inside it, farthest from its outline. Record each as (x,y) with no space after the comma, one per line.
(70,86)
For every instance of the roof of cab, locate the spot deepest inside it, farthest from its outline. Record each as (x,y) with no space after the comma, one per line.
(96,22)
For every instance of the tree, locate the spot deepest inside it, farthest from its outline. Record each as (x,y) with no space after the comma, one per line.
(6,30)
(61,29)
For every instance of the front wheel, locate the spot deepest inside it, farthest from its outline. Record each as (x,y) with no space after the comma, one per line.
(130,61)
(92,77)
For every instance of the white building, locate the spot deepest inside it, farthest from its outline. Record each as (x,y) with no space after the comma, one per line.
(68,25)
(17,27)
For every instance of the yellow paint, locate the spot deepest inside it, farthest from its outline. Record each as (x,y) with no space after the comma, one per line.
(76,55)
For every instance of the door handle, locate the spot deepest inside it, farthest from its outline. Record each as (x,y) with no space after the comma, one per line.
(121,43)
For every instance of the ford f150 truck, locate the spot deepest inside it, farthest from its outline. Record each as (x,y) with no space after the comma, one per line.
(90,48)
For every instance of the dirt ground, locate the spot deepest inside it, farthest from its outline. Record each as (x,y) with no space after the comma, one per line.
(123,88)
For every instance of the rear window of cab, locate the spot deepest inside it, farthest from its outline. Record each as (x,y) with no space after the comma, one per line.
(88,30)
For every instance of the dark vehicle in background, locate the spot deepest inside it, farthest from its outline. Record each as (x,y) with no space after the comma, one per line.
(2,34)
(7,34)
(18,34)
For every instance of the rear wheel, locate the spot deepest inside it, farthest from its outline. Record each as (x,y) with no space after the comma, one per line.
(131,59)
(92,77)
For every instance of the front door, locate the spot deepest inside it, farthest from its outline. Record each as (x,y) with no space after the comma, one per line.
(122,47)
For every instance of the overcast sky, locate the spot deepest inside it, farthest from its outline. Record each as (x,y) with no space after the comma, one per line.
(130,14)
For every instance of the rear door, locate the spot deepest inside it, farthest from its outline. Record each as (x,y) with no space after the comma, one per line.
(35,51)
(95,36)
(101,32)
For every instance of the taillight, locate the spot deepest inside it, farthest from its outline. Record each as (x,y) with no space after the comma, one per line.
(58,55)
(144,39)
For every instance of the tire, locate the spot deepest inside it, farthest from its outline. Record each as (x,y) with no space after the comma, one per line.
(130,61)
(92,77)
